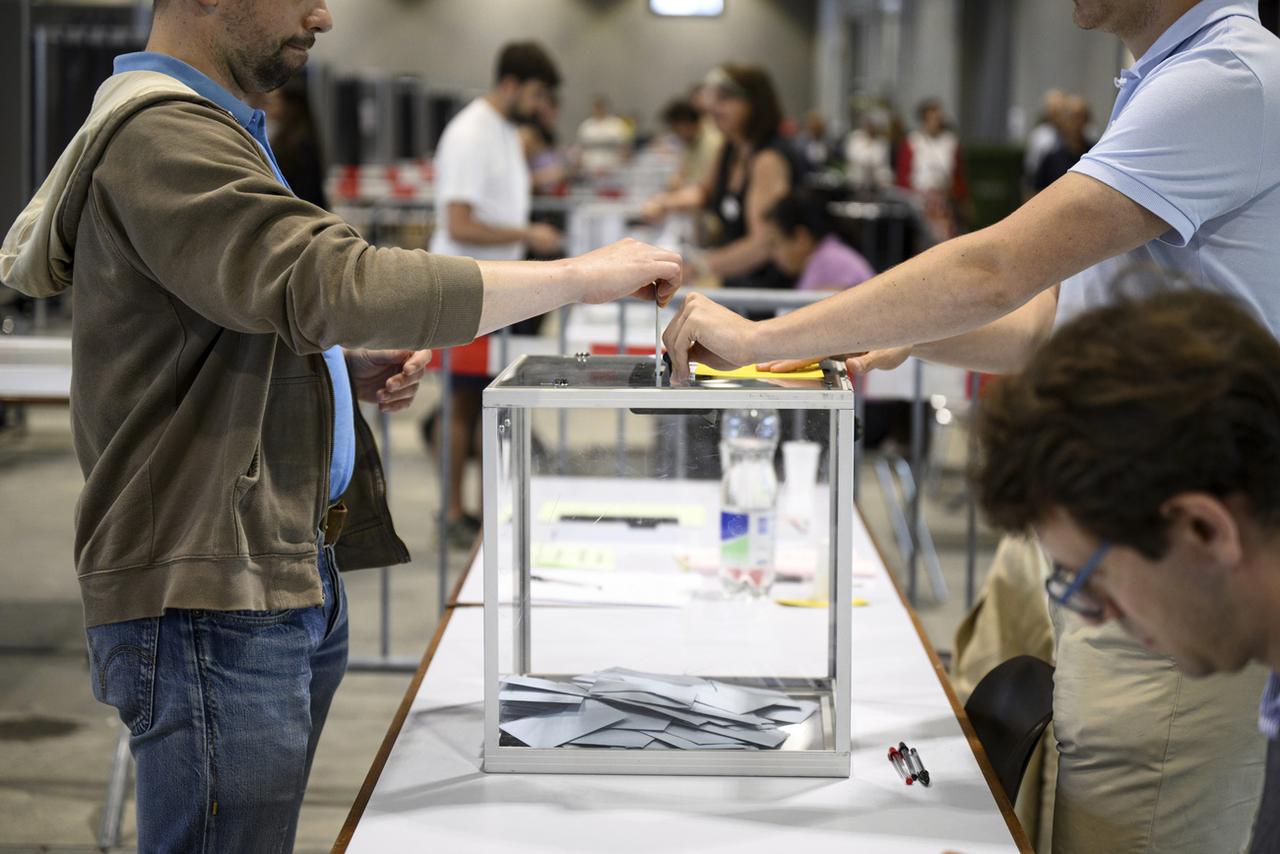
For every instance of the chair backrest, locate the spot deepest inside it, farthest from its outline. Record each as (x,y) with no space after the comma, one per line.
(1009,710)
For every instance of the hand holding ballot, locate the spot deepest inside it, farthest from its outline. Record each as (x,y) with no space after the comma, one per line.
(709,333)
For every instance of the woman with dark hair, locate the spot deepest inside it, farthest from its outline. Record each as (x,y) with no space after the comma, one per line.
(756,168)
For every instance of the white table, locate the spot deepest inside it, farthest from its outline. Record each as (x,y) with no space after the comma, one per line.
(426,790)
(35,369)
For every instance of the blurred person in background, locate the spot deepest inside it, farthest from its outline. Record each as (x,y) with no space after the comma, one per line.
(1043,138)
(604,139)
(697,157)
(930,164)
(868,152)
(483,200)
(805,245)
(755,169)
(1072,143)
(812,143)
(548,164)
(291,127)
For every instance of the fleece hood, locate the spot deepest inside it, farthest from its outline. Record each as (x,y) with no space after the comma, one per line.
(38,252)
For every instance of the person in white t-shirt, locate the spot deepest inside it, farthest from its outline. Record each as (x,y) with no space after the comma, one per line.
(482,177)
(483,189)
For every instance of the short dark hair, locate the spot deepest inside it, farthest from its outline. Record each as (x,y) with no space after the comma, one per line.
(680,111)
(527,61)
(1126,407)
(756,86)
(805,208)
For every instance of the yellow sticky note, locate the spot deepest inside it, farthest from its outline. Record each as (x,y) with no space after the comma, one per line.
(751,372)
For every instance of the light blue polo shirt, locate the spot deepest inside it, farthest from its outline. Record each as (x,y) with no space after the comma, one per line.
(1194,137)
(343,462)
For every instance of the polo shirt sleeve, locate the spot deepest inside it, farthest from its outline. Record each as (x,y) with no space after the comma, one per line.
(1188,147)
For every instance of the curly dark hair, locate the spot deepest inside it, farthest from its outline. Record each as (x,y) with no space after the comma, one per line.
(1129,405)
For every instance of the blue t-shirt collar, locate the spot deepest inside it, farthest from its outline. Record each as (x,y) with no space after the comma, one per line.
(1192,21)
(246,116)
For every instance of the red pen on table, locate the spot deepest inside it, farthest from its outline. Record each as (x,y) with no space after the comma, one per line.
(899,763)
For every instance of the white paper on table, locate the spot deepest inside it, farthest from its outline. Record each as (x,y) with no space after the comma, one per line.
(586,587)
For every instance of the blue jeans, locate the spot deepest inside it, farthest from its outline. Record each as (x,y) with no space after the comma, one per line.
(224,709)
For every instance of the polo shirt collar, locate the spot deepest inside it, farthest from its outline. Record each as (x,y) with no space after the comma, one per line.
(1192,21)
(250,119)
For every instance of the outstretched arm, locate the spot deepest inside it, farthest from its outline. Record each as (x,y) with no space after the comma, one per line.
(952,289)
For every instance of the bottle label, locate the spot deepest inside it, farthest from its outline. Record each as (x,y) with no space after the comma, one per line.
(735,529)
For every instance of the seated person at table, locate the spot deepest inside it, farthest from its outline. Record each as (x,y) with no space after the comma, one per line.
(803,244)
(1142,445)
(755,169)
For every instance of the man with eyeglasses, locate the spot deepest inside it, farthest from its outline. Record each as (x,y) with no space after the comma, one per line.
(1142,445)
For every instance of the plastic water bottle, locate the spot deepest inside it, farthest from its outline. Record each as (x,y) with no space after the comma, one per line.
(748,500)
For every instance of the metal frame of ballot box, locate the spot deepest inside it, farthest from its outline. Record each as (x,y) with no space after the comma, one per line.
(508,406)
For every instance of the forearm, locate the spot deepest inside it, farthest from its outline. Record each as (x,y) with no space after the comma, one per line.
(737,258)
(480,234)
(516,290)
(1002,346)
(951,289)
(685,198)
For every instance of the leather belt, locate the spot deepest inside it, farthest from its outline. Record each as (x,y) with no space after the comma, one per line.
(334,519)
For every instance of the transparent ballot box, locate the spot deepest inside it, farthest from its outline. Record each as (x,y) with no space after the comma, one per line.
(660,567)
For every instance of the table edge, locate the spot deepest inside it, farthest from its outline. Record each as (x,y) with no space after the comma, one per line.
(402,713)
(1016,829)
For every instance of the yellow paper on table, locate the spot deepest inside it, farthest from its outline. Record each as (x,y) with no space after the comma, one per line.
(571,556)
(751,372)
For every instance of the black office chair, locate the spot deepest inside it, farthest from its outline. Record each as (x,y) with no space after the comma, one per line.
(1009,710)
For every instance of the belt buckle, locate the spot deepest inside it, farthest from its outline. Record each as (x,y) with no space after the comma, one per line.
(333,522)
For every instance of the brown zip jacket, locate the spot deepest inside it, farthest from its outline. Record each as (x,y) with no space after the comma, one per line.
(202,413)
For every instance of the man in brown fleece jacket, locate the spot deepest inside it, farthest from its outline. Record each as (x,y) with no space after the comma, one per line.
(222,329)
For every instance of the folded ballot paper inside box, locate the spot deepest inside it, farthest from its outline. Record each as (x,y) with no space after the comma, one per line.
(628,709)
(646,663)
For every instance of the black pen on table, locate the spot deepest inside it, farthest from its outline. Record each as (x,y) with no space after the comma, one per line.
(914,765)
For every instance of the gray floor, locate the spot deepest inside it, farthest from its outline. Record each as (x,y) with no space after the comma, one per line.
(56,740)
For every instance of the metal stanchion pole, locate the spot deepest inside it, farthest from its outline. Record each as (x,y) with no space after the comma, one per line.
(384,574)
(562,416)
(860,429)
(971,541)
(117,792)
(445,434)
(917,463)
(622,424)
